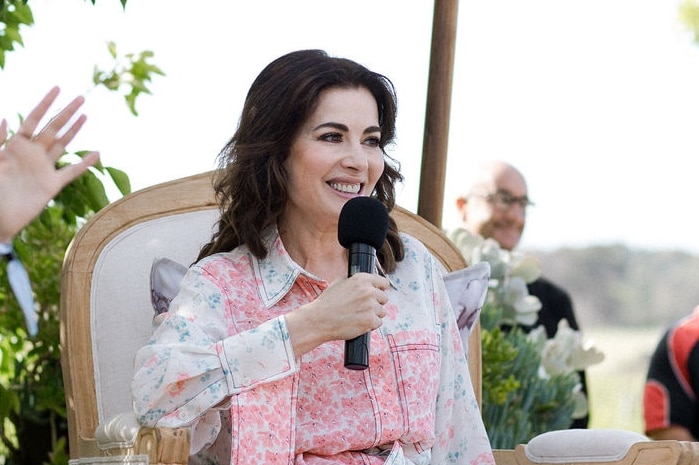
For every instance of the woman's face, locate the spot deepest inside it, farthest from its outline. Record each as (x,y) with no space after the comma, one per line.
(334,157)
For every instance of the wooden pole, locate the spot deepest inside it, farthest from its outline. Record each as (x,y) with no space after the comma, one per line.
(437,113)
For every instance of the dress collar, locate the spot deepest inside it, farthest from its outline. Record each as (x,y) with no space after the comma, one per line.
(277,272)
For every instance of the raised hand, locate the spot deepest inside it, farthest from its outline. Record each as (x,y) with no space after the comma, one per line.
(28,174)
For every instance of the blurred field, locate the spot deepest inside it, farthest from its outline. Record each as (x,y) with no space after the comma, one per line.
(615,386)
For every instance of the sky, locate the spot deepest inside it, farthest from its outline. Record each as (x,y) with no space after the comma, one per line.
(595,101)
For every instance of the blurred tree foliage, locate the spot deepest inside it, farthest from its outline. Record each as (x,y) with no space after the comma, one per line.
(13,15)
(616,285)
(132,72)
(33,427)
(689,15)
(130,75)
(32,405)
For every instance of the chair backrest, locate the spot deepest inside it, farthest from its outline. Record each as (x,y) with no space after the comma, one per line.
(106,311)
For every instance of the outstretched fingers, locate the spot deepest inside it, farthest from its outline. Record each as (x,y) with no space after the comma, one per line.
(49,137)
(58,145)
(32,120)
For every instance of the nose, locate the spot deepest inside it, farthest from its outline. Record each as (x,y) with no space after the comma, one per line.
(517,211)
(355,158)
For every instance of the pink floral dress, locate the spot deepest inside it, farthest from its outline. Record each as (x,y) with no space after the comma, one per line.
(225,347)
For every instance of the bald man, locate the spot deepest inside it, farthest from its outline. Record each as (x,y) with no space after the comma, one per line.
(495,206)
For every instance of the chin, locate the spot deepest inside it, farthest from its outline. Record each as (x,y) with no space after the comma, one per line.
(508,243)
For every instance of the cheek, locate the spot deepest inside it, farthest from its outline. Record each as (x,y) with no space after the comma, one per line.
(482,214)
(376,167)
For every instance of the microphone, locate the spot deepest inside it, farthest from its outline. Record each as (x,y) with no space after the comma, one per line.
(362,229)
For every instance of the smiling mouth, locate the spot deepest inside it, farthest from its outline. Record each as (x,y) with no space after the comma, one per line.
(346,188)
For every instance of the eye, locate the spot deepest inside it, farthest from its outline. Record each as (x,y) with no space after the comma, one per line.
(507,199)
(373,141)
(331,137)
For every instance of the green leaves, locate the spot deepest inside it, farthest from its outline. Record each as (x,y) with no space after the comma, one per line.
(499,356)
(123,2)
(530,382)
(13,14)
(689,15)
(132,73)
(88,194)
(121,180)
(31,381)
(519,401)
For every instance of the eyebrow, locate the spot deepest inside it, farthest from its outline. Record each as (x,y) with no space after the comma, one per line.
(511,194)
(343,127)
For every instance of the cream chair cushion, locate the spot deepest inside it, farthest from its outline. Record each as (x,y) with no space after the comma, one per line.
(578,445)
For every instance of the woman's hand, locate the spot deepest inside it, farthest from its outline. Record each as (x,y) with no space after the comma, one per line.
(28,174)
(347,309)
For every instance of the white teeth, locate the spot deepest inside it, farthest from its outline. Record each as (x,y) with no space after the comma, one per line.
(350,188)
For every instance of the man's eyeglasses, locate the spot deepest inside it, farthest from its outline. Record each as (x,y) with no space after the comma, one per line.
(503,200)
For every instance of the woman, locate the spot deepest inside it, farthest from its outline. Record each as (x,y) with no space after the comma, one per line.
(256,334)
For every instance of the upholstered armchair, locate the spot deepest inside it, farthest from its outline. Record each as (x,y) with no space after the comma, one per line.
(107,309)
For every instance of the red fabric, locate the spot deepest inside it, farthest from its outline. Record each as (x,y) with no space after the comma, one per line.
(681,342)
(656,404)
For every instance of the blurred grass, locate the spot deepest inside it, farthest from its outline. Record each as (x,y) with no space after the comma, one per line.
(615,386)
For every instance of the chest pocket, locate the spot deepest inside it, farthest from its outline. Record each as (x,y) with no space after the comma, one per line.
(417,364)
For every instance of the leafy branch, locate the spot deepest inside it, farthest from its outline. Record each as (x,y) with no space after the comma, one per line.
(133,71)
(689,16)
(13,15)
(33,427)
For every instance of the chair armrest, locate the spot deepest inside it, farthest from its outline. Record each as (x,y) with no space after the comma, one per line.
(122,436)
(164,446)
(118,432)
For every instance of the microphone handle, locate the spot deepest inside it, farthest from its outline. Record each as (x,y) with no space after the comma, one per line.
(361,260)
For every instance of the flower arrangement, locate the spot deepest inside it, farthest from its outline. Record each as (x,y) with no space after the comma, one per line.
(530,382)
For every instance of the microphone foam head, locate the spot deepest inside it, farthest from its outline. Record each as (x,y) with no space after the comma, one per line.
(363,220)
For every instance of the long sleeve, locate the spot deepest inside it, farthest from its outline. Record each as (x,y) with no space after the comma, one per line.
(193,363)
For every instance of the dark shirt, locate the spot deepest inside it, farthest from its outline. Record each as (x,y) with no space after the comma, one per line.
(556,305)
(672,385)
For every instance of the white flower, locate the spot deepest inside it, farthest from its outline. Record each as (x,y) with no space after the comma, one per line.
(511,304)
(516,297)
(566,352)
(526,267)
(467,243)
(538,336)
(510,272)
(489,251)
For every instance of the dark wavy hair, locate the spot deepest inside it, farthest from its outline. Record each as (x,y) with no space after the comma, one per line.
(251,179)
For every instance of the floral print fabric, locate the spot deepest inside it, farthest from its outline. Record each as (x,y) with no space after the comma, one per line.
(225,346)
